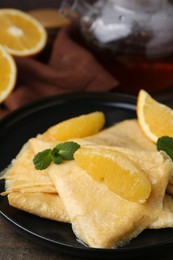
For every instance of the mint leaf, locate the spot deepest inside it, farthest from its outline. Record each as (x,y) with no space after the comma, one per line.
(42,159)
(56,157)
(67,149)
(165,143)
(60,152)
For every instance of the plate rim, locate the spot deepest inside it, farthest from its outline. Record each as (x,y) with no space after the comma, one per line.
(70,95)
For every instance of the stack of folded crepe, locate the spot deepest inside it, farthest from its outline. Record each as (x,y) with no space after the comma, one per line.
(98,217)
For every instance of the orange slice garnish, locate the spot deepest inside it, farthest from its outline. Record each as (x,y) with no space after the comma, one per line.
(76,127)
(155,119)
(21,34)
(8,72)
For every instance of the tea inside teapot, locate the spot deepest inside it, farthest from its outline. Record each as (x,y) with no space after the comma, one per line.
(135,26)
(132,39)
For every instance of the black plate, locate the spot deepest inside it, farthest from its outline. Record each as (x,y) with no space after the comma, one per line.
(30,120)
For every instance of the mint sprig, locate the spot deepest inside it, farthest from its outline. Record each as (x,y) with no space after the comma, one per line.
(59,153)
(42,159)
(165,143)
(67,149)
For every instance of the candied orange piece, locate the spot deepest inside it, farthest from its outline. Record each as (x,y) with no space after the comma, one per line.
(76,127)
(120,174)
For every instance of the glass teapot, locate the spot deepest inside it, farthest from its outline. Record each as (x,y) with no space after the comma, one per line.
(135,32)
(128,25)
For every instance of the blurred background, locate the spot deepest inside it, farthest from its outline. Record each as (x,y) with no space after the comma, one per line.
(27,5)
(136,56)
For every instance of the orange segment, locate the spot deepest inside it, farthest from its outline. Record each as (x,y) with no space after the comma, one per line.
(120,174)
(21,34)
(8,73)
(76,127)
(155,119)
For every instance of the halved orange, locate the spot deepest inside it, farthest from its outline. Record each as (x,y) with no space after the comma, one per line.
(121,175)
(76,127)
(155,119)
(20,33)
(8,72)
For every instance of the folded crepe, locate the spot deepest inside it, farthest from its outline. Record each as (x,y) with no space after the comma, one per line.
(22,176)
(65,192)
(31,190)
(77,190)
(45,205)
(99,217)
(127,134)
(165,218)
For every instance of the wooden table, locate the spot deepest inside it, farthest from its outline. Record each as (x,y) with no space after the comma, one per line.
(13,246)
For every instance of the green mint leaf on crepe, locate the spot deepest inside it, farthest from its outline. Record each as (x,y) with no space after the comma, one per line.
(67,149)
(165,143)
(42,159)
(60,152)
(56,158)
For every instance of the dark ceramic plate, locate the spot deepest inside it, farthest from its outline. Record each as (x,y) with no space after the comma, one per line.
(27,122)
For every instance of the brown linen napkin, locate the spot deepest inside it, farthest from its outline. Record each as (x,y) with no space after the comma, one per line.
(71,67)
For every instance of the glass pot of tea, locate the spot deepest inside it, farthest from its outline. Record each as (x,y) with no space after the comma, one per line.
(133,39)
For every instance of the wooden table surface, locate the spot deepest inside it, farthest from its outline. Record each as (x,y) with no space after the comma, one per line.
(14,246)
